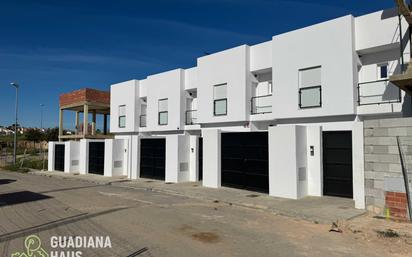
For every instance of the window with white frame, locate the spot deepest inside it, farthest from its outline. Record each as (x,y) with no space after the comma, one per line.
(310,87)
(163,111)
(220,99)
(383,71)
(122,116)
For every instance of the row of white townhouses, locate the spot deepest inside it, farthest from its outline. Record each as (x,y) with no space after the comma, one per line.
(283,117)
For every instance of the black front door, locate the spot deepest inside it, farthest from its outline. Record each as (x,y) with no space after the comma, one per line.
(96,158)
(59,157)
(153,158)
(245,161)
(337,163)
(200,158)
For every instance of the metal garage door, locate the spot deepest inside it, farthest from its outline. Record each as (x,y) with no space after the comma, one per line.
(200,158)
(153,158)
(245,161)
(96,158)
(59,157)
(337,163)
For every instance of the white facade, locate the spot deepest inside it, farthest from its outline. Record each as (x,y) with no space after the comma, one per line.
(297,86)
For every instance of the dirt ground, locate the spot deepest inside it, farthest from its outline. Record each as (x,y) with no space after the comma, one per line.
(149,223)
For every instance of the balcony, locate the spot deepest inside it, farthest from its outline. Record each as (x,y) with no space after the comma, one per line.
(191,117)
(261,104)
(142,121)
(378,92)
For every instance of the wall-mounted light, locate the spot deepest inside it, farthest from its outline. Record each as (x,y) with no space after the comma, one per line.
(312,150)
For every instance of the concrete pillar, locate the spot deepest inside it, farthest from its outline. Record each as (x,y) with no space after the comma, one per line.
(358,165)
(184,158)
(193,156)
(94,123)
(315,161)
(287,161)
(172,158)
(50,162)
(60,124)
(71,157)
(105,124)
(108,157)
(67,160)
(85,119)
(77,123)
(135,157)
(211,158)
(84,156)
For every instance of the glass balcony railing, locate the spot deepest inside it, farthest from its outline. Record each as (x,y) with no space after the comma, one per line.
(163,118)
(261,104)
(142,121)
(378,92)
(310,97)
(191,117)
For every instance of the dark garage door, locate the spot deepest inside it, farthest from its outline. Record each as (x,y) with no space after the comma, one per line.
(96,158)
(59,157)
(153,158)
(200,158)
(245,161)
(337,163)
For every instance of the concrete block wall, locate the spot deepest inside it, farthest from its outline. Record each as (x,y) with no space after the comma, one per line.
(383,170)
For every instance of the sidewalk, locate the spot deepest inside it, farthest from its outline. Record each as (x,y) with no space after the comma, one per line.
(91,178)
(315,209)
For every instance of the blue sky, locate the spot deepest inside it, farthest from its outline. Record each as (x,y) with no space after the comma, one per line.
(51,47)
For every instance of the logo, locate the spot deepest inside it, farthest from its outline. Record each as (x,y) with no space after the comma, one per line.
(33,247)
(63,246)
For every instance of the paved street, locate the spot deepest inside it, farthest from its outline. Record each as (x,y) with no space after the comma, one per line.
(142,222)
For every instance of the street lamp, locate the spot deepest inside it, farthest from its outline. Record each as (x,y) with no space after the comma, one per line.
(41,130)
(15,123)
(41,116)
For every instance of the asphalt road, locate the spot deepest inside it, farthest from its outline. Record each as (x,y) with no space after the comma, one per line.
(141,222)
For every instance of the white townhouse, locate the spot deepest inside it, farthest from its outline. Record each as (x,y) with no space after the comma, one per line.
(283,117)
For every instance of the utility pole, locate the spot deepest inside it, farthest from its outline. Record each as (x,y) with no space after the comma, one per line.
(42,132)
(15,123)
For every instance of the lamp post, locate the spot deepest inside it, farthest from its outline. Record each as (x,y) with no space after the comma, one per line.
(41,130)
(41,116)
(15,122)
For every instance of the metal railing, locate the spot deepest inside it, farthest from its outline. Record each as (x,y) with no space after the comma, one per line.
(261,104)
(378,92)
(191,117)
(142,121)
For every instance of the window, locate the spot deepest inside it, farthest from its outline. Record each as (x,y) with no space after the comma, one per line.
(310,89)
(163,113)
(220,100)
(122,116)
(383,71)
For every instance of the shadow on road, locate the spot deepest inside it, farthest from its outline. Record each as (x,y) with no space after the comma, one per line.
(21,197)
(54,224)
(6,181)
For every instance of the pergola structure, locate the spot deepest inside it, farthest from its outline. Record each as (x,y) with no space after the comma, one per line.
(85,101)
